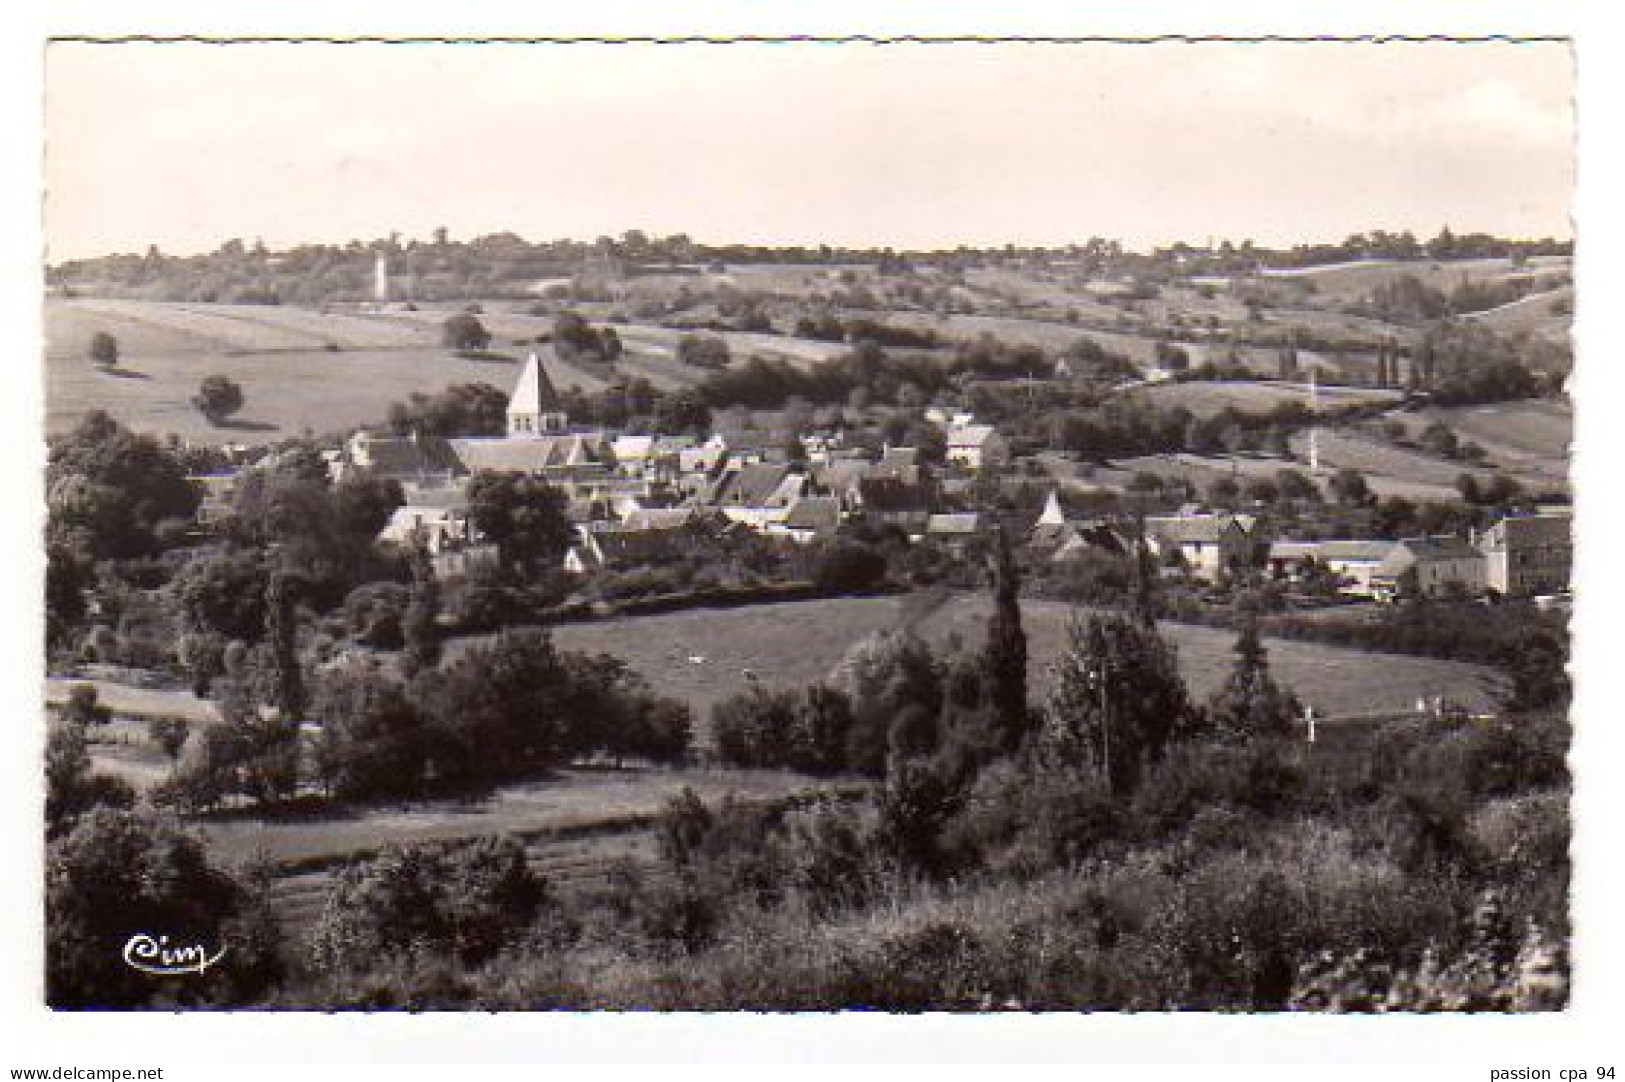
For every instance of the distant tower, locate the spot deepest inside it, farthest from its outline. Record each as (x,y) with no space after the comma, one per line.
(380,278)
(1314,427)
(534,408)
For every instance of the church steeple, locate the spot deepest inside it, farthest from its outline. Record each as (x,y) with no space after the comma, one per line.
(534,408)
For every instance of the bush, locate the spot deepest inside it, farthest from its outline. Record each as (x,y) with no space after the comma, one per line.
(373,614)
(1260,776)
(849,567)
(119,874)
(470,900)
(84,708)
(464,331)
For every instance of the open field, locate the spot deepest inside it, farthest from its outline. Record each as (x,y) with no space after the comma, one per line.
(797,642)
(292,379)
(574,800)
(1532,315)
(137,702)
(285,393)
(1538,428)
(1400,471)
(1205,398)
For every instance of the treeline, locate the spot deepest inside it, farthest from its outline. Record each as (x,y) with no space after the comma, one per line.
(1380,244)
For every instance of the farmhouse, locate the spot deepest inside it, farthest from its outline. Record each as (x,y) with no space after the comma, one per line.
(1211,545)
(1526,555)
(1433,566)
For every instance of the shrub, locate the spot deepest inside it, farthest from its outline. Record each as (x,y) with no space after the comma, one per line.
(84,708)
(470,900)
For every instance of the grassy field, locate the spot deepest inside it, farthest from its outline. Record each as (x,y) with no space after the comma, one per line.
(1532,315)
(1350,281)
(303,369)
(1542,428)
(797,642)
(574,800)
(1207,398)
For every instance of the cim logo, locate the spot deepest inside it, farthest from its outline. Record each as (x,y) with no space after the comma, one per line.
(156,956)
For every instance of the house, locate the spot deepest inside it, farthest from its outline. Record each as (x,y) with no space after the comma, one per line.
(1211,545)
(957,532)
(810,518)
(218,491)
(1355,563)
(601,545)
(885,499)
(1433,566)
(1528,555)
(393,458)
(1352,562)
(757,494)
(977,447)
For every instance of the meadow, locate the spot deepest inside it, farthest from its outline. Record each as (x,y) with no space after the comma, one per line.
(1351,281)
(704,656)
(307,370)
(1205,398)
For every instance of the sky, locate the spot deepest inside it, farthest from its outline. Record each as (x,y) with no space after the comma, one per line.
(187,145)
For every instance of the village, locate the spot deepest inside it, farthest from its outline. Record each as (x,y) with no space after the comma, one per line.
(629,496)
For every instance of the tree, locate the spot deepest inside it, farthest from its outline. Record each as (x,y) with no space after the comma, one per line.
(889,678)
(1439,439)
(84,706)
(373,743)
(849,566)
(121,874)
(221,592)
(1117,701)
(703,350)
(421,624)
(71,789)
(1536,666)
(681,412)
(281,636)
(104,350)
(1250,704)
(1350,487)
(523,516)
(107,490)
(464,331)
(1004,656)
(217,398)
(503,709)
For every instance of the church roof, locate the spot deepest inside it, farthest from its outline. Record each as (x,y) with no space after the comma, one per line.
(534,393)
(530,455)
